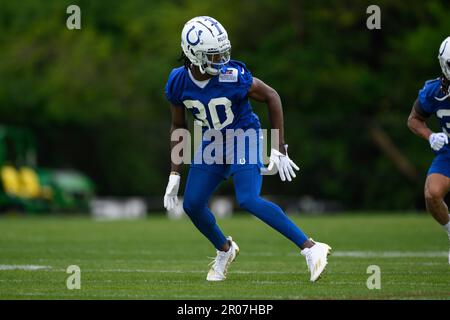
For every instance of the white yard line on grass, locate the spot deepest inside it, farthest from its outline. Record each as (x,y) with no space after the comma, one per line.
(363,254)
(27,267)
(391,254)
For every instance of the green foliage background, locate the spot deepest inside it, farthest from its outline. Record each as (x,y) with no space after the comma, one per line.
(94,97)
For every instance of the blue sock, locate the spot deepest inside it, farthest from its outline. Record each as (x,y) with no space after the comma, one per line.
(199,187)
(248,187)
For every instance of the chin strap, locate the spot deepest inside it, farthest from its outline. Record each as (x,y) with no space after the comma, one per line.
(212,71)
(202,70)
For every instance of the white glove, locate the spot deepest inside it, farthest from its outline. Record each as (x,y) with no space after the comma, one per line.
(171,196)
(438,140)
(283,164)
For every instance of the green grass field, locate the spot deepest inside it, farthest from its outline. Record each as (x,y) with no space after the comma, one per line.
(157,258)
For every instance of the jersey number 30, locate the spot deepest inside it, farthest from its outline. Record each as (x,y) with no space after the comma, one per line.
(212,109)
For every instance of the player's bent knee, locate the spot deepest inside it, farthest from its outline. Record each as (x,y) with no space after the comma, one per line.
(433,194)
(199,216)
(248,203)
(192,205)
(196,210)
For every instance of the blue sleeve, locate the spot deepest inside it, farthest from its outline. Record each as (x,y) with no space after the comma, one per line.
(172,88)
(427,102)
(245,79)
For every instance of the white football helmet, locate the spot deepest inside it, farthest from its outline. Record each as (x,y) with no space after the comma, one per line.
(444,61)
(205,43)
(444,57)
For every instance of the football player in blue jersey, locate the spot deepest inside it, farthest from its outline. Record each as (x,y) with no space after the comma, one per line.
(216,90)
(434,99)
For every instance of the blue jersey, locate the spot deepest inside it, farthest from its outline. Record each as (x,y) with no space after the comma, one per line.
(219,106)
(441,109)
(222,104)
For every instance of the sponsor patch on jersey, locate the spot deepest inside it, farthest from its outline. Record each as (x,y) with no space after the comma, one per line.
(230,75)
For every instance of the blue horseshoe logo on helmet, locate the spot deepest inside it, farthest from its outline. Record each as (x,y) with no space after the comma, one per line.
(198,36)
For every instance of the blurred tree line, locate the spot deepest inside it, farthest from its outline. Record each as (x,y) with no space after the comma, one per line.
(94,97)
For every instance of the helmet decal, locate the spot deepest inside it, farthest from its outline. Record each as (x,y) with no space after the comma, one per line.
(198,36)
(215,24)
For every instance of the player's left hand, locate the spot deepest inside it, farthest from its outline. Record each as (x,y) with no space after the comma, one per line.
(171,196)
(283,163)
(438,140)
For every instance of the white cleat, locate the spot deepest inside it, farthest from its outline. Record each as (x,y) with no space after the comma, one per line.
(316,258)
(220,264)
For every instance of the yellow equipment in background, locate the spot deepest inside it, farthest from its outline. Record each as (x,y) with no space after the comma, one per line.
(23,183)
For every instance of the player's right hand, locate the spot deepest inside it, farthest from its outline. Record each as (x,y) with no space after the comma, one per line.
(438,140)
(171,196)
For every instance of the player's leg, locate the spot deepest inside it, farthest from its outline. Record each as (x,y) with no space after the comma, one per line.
(436,188)
(200,186)
(248,186)
(247,154)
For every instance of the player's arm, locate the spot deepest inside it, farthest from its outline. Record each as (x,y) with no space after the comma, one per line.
(279,159)
(261,92)
(178,122)
(417,124)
